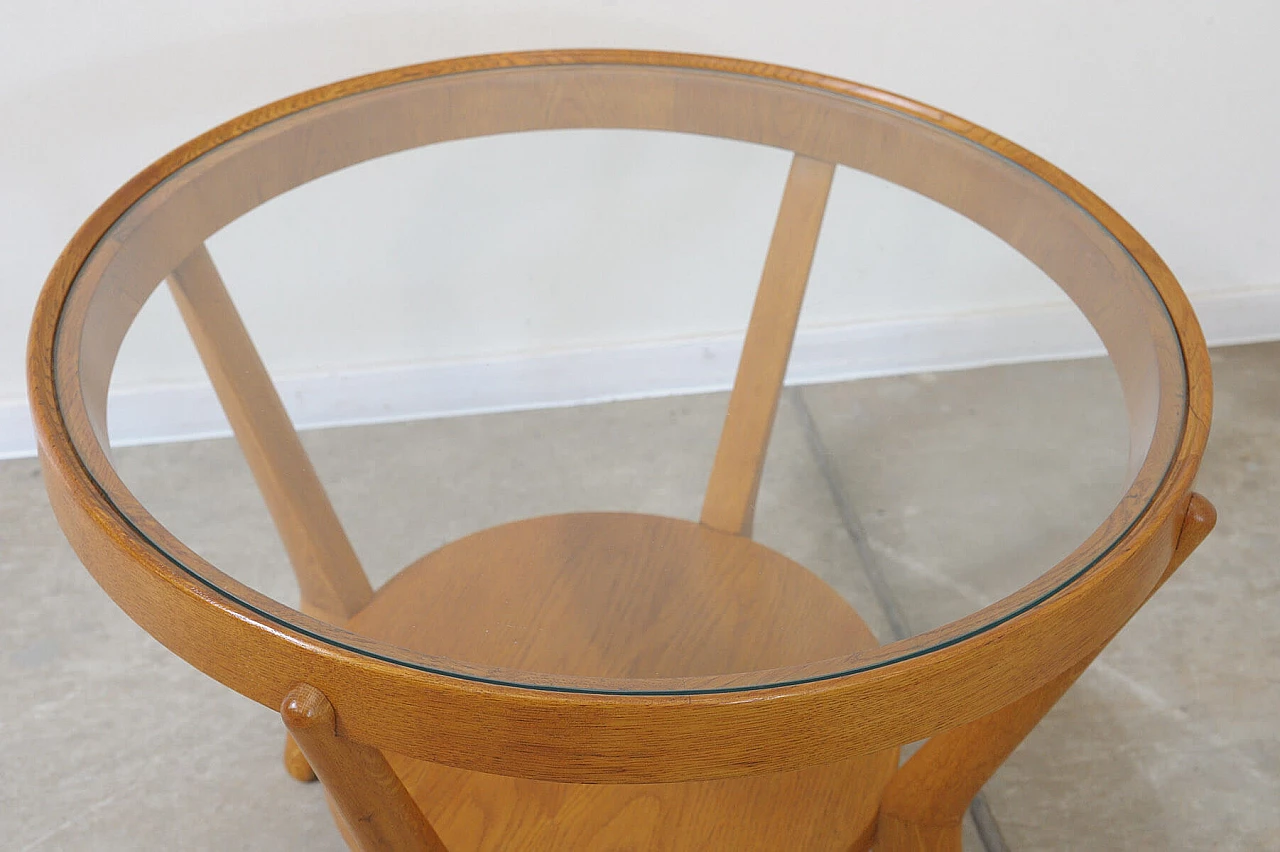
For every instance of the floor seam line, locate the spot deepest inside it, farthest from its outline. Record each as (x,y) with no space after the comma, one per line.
(849,520)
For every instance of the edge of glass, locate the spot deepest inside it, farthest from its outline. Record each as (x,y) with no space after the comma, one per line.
(587,690)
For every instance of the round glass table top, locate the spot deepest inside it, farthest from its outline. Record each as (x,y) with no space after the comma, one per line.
(477,369)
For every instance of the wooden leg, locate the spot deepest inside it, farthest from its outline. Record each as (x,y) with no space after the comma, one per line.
(379,813)
(295,762)
(926,800)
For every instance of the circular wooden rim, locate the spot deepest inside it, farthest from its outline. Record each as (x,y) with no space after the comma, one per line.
(875,702)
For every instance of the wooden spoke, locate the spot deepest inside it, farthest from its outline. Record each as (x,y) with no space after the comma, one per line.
(376,809)
(334,586)
(730,501)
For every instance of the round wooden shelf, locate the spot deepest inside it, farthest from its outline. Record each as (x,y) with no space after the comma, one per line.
(613,596)
(619,596)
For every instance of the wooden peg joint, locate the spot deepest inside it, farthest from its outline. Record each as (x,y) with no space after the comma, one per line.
(1200,519)
(376,808)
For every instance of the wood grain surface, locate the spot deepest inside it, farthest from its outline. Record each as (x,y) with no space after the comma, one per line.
(374,806)
(618,595)
(612,595)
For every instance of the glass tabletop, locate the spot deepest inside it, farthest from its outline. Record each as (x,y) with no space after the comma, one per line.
(504,310)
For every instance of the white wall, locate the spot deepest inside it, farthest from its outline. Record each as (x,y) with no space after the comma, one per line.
(421,267)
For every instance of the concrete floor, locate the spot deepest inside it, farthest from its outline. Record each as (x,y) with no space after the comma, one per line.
(918,498)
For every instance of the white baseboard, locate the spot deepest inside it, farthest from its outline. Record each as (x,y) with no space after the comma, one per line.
(665,368)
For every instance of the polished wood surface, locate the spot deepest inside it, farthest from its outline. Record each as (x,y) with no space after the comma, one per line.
(695,718)
(730,503)
(828,807)
(619,595)
(376,809)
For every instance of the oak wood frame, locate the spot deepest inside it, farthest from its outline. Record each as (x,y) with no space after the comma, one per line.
(566,729)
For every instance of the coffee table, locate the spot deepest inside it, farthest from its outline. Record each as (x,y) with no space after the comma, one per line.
(604,679)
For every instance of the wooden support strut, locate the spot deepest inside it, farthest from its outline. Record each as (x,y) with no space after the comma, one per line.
(926,799)
(333,584)
(730,502)
(376,809)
